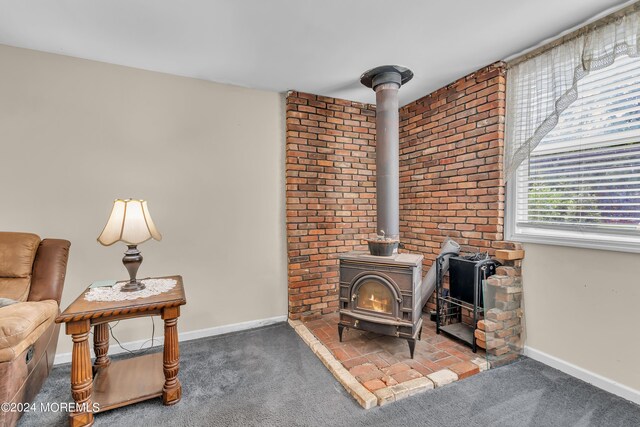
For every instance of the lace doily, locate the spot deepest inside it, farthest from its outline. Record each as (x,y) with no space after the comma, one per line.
(108,293)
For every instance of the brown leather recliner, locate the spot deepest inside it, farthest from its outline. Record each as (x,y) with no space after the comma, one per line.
(32,272)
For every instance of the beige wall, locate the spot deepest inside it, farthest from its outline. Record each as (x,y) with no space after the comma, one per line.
(76,134)
(581,306)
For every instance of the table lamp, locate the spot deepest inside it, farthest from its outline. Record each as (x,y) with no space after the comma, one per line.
(130,223)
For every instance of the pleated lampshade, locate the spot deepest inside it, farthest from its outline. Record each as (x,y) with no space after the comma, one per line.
(130,223)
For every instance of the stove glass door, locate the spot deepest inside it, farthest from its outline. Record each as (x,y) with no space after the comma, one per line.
(375,296)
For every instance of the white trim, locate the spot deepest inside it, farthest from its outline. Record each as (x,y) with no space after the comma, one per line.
(612,245)
(592,378)
(509,208)
(184,336)
(607,242)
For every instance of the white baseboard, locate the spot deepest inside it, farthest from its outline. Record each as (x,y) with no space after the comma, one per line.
(585,375)
(184,336)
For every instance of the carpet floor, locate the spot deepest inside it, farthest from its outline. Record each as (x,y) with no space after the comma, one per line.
(269,377)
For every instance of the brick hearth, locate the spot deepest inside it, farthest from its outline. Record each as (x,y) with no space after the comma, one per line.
(382,363)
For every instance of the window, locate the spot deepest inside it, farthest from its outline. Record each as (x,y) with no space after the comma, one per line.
(581,184)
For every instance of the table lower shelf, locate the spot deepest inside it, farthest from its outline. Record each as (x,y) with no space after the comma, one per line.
(128,381)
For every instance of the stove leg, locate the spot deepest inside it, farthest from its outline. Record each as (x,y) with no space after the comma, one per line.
(412,346)
(340,329)
(420,334)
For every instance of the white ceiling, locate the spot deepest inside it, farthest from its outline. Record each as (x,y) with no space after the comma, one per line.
(319,46)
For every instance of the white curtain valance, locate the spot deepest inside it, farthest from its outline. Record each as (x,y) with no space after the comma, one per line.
(541,88)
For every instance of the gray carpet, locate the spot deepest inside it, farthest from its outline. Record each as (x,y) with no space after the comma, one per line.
(269,377)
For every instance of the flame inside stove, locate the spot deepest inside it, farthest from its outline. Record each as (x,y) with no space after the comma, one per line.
(379,305)
(376,297)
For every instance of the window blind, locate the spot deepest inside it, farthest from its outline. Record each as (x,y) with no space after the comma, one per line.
(585,174)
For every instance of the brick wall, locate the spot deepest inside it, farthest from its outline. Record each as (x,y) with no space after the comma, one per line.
(451,185)
(330,179)
(451,148)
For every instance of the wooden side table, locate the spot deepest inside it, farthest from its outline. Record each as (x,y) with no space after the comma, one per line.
(119,383)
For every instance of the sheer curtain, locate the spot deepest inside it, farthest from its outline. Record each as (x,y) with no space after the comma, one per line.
(541,88)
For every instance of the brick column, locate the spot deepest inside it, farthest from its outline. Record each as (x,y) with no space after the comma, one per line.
(501,331)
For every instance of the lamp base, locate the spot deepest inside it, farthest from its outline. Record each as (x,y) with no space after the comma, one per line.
(133,286)
(132,260)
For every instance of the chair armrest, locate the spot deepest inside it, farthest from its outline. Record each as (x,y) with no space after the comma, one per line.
(49,270)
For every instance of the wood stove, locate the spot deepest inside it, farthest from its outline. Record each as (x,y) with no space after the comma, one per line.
(381,294)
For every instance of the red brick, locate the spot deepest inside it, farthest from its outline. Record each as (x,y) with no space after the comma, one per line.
(464,369)
(396,368)
(407,375)
(373,385)
(488,325)
(351,362)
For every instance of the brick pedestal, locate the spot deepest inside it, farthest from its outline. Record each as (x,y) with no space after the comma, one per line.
(501,331)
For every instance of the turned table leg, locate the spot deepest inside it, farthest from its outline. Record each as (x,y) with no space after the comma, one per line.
(101,345)
(172,390)
(81,374)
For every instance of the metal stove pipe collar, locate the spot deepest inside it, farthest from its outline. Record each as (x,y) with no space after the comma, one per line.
(386,73)
(389,77)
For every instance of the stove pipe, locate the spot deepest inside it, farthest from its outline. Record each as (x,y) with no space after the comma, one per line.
(385,81)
